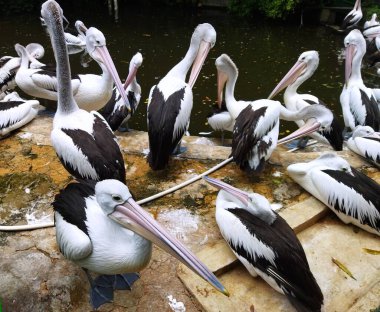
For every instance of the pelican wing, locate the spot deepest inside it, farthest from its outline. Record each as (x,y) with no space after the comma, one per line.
(367,147)
(252,139)
(355,195)
(47,79)
(14,112)
(70,219)
(105,158)
(276,251)
(167,123)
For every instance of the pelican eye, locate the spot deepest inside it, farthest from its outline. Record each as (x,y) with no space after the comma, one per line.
(116,197)
(345,169)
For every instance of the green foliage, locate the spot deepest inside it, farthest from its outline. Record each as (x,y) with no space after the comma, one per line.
(272,9)
(370,9)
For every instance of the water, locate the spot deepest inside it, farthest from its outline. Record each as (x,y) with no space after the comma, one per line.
(262,51)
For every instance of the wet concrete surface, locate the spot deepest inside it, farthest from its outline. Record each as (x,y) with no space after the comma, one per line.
(36,277)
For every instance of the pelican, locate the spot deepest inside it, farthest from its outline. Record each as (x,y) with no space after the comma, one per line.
(83,141)
(115,111)
(350,194)
(302,70)
(366,142)
(91,92)
(256,128)
(266,245)
(102,229)
(16,112)
(372,22)
(9,66)
(353,17)
(171,100)
(359,105)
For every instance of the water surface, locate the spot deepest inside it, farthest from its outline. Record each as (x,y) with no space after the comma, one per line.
(263,52)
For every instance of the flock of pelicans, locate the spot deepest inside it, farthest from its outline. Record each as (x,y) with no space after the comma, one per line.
(98,224)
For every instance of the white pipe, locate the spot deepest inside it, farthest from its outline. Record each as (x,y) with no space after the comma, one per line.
(28,227)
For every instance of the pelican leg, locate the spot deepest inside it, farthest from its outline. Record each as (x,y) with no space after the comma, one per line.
(125,281)
(179,149)
(124,127)
(222,137)
(101,290)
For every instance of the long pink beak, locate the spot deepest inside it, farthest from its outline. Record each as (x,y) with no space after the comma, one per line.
(130,215)
(204,49)
(222,79)
(289,78)
(107,60)
(241,195)
(310,126)
(349,53)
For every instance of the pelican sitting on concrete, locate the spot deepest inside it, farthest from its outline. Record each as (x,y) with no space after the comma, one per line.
(266,245)
(366,142)
(350,194)
(16,112)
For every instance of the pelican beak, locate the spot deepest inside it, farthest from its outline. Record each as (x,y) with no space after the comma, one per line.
(349,53)
(375,135)
(289,78)
(298,169)
(241,195)
(222,79)
(135,218)
(107,60)
(204,48)
(310,126)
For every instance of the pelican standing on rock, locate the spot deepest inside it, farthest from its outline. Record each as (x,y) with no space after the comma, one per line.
(101,228)
(350,194)
(220,119)
(256,128)
(353,17)
(302,70)
(91,92)
(358,102)
(83,141)
(115,111)
(266,245)
(171,100)
(366,142)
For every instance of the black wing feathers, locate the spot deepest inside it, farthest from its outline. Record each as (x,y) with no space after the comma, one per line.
(291,269)
(162,117)
(70,203)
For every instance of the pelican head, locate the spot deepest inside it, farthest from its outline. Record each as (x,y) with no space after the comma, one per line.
(355,48)
(81,28)
(365,131)
(29,52)
(204,38)
(302,70)
(226,69)
(317,118)
(96,47)
(117,203)
(254,203)
(35,50)
(300,171)
(134,65)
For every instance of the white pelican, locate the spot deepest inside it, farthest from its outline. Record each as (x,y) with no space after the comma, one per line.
(353,17)
(350,194)
(366,142)
(171,100)
(359,105)
(91,92)
(115,111)
(83,141)
(372,22)
(9,66)
(257,122)
(102,229)
(266,245)
(302,70)
(220,119)
(16,112)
